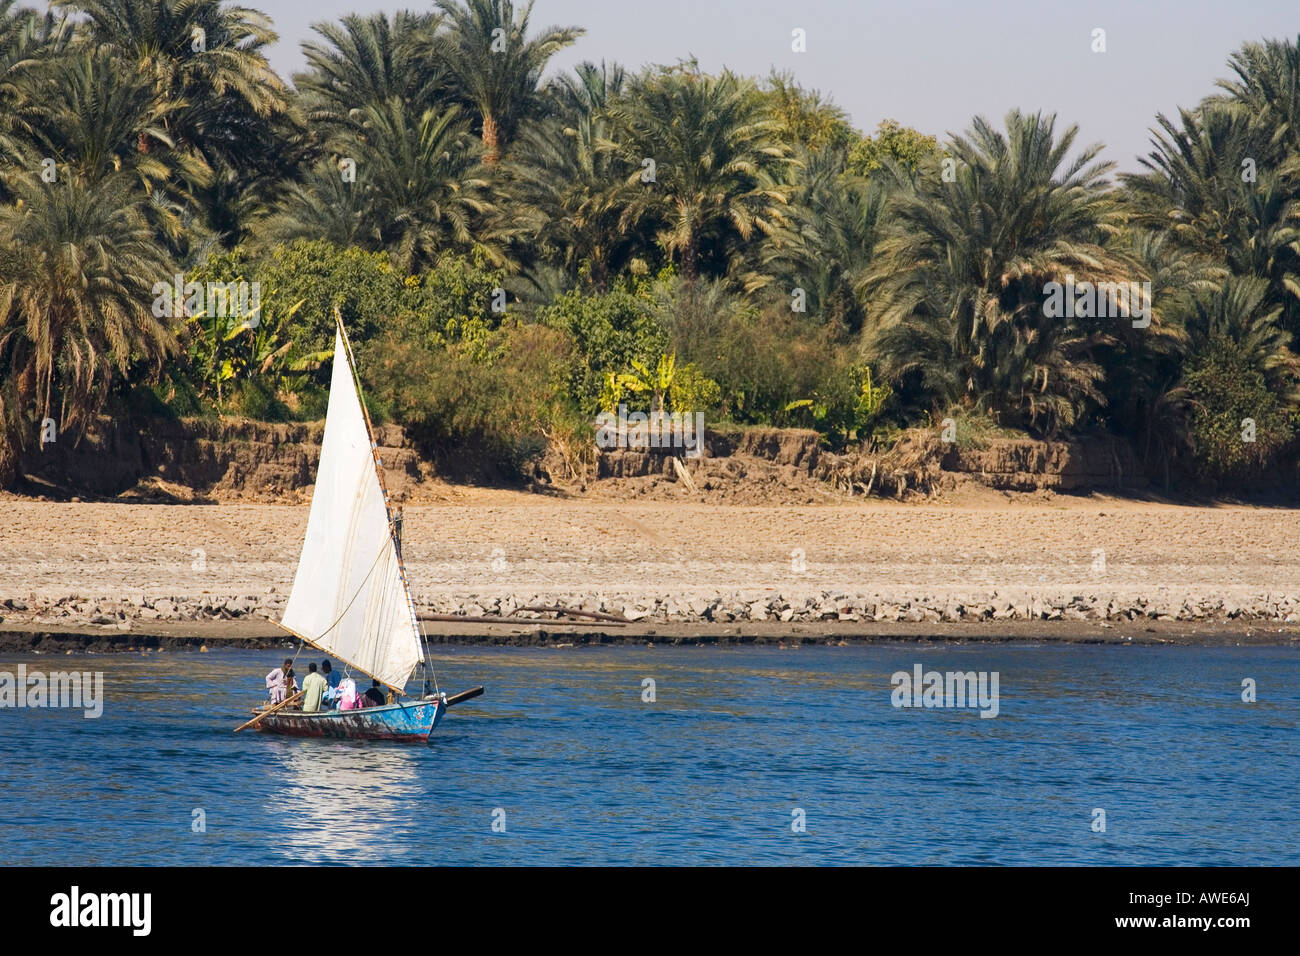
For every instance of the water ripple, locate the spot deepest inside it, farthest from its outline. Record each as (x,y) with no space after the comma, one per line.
(563,750)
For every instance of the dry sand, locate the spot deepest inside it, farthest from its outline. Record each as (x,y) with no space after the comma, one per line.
(481,545)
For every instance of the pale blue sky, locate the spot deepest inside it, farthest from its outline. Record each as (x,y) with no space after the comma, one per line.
(931,64)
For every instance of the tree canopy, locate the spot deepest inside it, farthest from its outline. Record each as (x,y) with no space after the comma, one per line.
(515,246)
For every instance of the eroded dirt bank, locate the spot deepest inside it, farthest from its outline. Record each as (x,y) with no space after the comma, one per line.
(206,460)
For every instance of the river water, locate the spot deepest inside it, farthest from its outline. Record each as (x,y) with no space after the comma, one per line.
(745,755)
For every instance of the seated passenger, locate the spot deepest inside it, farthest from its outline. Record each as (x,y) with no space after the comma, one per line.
(348,697)
(376,695)
(332,678)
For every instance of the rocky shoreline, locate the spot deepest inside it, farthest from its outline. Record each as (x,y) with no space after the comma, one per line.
(260,634)
(137,612)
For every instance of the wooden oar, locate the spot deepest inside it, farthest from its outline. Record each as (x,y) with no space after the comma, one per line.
(284,703)
(465,695)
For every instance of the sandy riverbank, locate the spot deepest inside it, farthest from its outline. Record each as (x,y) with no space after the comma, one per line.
(995,559)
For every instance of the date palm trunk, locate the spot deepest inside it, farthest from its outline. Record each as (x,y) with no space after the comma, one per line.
(491,139)
(690,259)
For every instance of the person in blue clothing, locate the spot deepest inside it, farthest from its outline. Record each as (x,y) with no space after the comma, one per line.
(332,678)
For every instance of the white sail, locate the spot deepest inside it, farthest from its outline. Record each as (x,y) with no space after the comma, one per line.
(349,597)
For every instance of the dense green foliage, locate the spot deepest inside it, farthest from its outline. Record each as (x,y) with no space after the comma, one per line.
(513,252)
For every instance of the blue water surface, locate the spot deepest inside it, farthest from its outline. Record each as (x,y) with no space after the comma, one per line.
(563,762)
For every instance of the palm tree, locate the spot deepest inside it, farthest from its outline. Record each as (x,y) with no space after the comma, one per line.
(1267,87)
(88,113)
(1144,398)
(192,47)
(585,94)
(835,222)
(495,66)
(960,279)
(79,265)
(1237,366)
(427,183)
(1240,312)
(207,60)
(567,179)
(28,43)
(325,206)
(419,190)
(1198,187)
(361,61)
(719,168)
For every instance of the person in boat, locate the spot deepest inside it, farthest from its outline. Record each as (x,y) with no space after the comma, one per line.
(313,689)
(279,681)
(375,697)
(332,678)
(349,699)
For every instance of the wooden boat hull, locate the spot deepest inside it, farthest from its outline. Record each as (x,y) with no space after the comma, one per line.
(412,722)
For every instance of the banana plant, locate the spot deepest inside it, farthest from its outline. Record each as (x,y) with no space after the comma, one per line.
(836,415)
(229,346)
(214,350)
(870,400)
(657,382)
(612,392)
(266,352)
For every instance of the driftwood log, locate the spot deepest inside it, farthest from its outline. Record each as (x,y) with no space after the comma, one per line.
(613,620)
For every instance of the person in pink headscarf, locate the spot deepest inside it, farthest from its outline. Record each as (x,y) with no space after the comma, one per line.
(348,698)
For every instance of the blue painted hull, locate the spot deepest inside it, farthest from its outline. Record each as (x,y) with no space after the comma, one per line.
(412,722)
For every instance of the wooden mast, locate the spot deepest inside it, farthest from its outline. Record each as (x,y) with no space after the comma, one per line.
(383,485)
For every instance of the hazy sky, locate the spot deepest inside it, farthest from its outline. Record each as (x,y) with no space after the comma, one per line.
(931,64)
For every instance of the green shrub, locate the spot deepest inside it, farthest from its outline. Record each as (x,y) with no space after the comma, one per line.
(763,358)
(500,396)
(256,398)
(1224,390)
(362,285)
(693,391)
(846,406)
(609,332)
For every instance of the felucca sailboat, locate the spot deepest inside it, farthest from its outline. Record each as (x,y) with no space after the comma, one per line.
(350,597)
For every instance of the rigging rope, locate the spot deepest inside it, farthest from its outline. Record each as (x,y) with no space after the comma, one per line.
(360,588)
